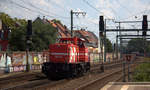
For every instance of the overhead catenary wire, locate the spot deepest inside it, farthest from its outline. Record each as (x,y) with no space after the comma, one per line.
(146,7)
(35,11)
(37,8)
(58,5)
(123,6)
(133,15)
(95,8)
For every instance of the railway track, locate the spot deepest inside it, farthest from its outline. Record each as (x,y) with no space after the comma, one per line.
(35,85)
(101,81)
(42,83)
(90,82)
(20,78)
(106,66)
(72,84)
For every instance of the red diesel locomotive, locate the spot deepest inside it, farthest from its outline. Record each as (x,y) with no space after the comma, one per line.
(68,58)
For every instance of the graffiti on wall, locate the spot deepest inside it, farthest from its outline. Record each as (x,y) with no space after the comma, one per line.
(2,60)
(18,59)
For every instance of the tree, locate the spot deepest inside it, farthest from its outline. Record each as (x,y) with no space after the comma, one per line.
(7,20)
(108,45)
(12,22)
(43,35)
(57,21)
(17,39)
(138,45)
(135,45)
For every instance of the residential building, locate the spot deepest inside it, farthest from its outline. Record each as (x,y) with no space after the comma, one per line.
(91,40)
(63,31)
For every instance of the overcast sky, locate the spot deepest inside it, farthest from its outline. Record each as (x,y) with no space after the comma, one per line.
(119,10)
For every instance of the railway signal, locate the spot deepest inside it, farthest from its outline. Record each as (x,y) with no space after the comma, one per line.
(144,25)
(29,28)
(101,24)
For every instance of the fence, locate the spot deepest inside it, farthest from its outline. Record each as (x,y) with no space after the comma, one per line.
(16,61)
(94,58)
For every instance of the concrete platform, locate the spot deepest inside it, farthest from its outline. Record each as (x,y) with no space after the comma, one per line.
(127,86)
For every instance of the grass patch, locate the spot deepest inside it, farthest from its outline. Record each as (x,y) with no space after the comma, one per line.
(147,58)
(142,73)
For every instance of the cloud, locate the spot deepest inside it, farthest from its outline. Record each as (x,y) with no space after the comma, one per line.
(108,8)
(121,8)
(118,9)
(108,13)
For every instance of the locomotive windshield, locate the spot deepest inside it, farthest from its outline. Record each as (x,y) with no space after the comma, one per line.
(76,41)
(65,41)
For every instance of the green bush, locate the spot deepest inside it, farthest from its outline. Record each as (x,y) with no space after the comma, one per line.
(142,73)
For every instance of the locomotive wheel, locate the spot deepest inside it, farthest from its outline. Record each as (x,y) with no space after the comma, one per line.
(75,72)
(87,67)
(80,71)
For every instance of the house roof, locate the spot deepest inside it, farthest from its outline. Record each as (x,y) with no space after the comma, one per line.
(62,34)
(63,31)
(52,23)
(90,37)
(94,37)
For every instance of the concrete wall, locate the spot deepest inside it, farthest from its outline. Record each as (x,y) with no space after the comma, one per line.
(16,61)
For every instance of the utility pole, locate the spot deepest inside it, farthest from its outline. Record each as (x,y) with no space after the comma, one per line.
(128,71)
(119,27)
(28,43)
(117,46)
(105,41)
(124,71)
(101,36)
(120,40)
(71,23)
(114,48)
(105,38)
(77,14)
(144,33)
